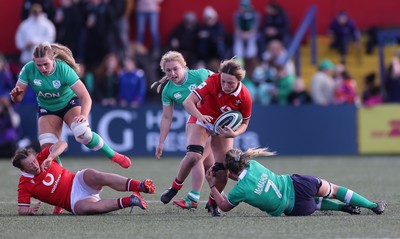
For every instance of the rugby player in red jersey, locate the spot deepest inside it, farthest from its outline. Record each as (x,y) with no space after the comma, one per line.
(44,179)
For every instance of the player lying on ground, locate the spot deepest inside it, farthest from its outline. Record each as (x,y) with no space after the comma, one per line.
(44,179)
(293,195)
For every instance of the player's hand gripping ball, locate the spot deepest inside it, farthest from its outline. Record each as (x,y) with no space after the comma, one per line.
(233,119)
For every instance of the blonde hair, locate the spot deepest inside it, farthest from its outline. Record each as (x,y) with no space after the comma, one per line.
(236,160)
(232,67)
(167,57)
(58,51)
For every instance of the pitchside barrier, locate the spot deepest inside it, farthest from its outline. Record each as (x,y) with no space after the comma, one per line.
(305,130)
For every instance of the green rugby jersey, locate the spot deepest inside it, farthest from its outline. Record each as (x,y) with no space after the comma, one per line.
(53,91)
(178,93)
(261,188)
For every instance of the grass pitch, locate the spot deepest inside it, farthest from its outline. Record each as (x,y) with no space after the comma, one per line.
(373,177)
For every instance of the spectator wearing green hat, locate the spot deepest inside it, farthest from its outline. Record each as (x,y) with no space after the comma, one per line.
(322,84)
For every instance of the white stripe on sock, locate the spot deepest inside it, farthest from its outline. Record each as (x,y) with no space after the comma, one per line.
(128,188)
(194,196)
(349,195)
(319,203)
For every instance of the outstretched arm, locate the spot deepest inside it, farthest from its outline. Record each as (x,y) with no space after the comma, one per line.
(56,150)
(190,106)
(221,200)
(18,92)
(27,210)
(165,126)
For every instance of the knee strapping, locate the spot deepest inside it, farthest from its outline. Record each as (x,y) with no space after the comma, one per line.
(195,148)
(47,138)
(82,132)
(329,193)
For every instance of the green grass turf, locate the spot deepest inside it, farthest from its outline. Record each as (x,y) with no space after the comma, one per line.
(374,177)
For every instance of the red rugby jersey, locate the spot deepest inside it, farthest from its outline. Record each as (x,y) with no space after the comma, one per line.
(52,186)
(214,102)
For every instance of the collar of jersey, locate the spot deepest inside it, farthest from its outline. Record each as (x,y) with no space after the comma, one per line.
(54,68)
(242,174)
(28,175)
(184,79)
(236,92)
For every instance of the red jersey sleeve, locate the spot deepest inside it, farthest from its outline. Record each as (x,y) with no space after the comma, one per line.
(206,87)
(247,103)
(24,197)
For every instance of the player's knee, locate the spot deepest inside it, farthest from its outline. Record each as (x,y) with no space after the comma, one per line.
(82,132)
(326,189)
(194,153)
(195,149)
(47,138)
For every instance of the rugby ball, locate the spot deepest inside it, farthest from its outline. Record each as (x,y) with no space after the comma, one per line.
(233,119)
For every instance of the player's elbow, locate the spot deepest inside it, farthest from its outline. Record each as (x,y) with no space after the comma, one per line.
(225,208)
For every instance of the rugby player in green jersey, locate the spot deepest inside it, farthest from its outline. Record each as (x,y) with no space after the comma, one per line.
(180,82)
(293,195)
(62,97)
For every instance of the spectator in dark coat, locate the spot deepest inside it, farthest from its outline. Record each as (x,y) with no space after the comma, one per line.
(344,31)
(184,38)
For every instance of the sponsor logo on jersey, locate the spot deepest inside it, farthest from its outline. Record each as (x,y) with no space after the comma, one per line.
(192,87)
(56,84)
(48,95)
(43,110)
(177,95)
(37,82)
(50,181)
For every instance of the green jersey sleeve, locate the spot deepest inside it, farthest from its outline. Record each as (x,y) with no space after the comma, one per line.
(177,93)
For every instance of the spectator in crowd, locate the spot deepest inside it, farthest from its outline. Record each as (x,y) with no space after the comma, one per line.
(183,38)
(344,31)
(322,84)
(274,26)
(392,80)
(47,6)
(106,80)
(9,128)
(299,95)
(372,93)
(246,23)
(69,23)
(148,10)
(6,77)
(346,87)
(131,85)
(211,37)
(36,29)
(97,26)
(276,78)
(118,14)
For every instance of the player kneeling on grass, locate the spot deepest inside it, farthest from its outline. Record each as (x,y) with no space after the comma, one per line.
(44,179)
(293,195)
